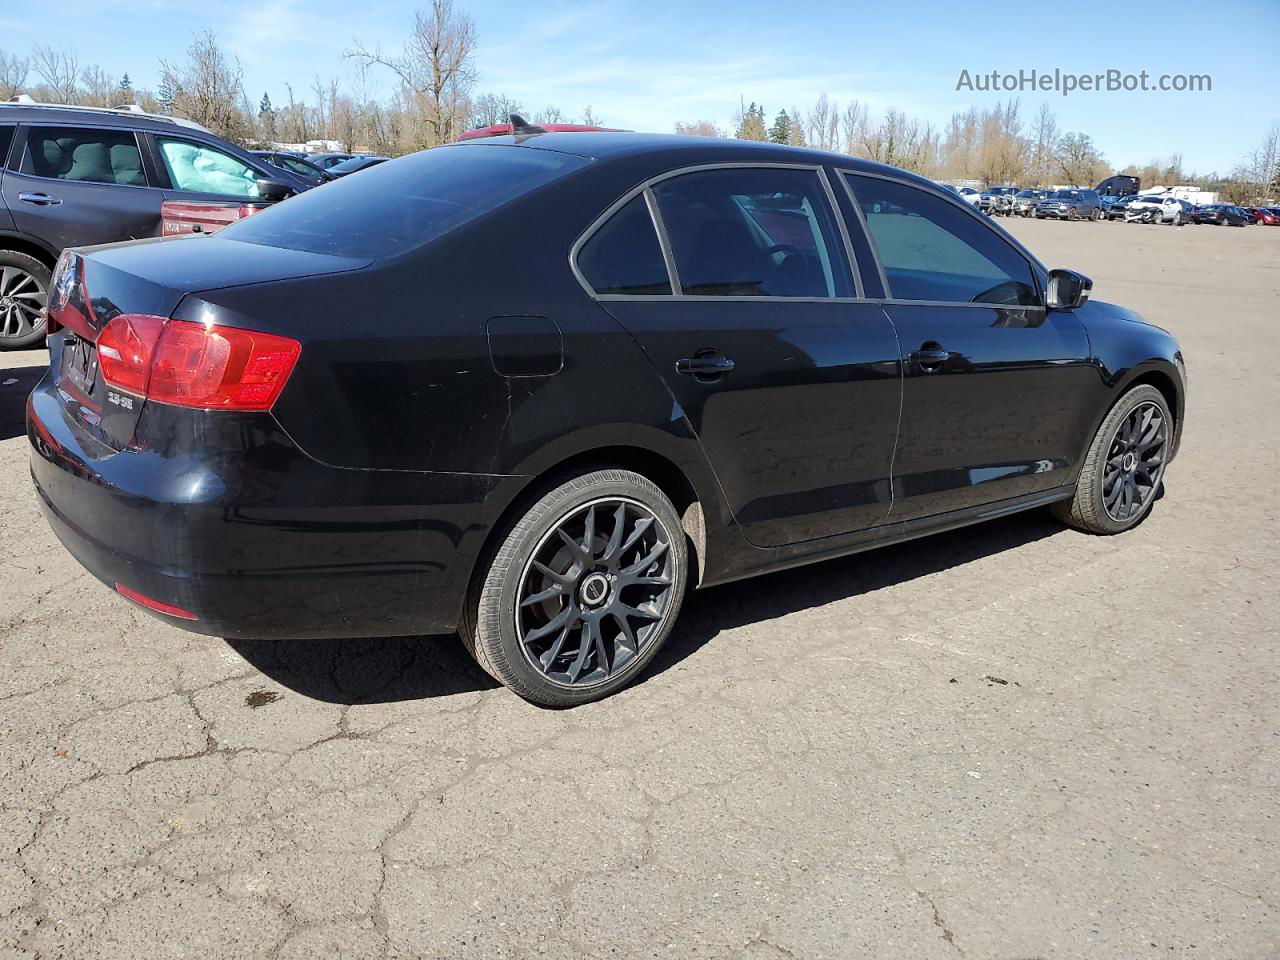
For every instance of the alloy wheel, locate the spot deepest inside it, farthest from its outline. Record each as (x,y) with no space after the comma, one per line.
(22,303)
(1135,463)
(596,589)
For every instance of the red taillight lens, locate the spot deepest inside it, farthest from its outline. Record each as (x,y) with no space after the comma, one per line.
(195,364)
(166,608)
(125,348)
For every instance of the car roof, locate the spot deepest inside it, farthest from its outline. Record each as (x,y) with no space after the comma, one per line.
(54,113)
(675,149)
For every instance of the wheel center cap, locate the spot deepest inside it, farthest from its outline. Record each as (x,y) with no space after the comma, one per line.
(594,590)
(1130,460)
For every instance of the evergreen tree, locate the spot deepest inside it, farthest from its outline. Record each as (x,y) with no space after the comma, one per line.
(780,132)
(267,116)
(166,94)
(125,94)
(751,124)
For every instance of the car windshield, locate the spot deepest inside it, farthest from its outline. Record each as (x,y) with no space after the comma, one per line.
(1026,193)
(1066,194)
(355,163)
(402,204)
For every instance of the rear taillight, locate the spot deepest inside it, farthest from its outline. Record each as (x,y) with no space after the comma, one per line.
(168,609)
(195,364)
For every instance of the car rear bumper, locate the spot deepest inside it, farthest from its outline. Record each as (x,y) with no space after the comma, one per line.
(266,544)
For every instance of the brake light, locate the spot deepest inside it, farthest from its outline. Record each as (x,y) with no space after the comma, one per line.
(195,364)
(166,608)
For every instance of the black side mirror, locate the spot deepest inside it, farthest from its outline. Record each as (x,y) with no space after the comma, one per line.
(273,189)
(1067,290)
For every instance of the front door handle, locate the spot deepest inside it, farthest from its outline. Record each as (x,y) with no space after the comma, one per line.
(930,357)
(39,199)
(705,366)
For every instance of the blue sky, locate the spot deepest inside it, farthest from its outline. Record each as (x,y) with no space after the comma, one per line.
(645,65)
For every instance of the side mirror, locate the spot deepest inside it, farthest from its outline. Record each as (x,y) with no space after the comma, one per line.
(1067,290)
(273,189)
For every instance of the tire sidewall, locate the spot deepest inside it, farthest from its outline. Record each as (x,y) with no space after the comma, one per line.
(499,590)
(43,275)
(1098,456)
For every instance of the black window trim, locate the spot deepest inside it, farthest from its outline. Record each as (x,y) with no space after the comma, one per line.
(1038,271)
(677,294)
(20,153)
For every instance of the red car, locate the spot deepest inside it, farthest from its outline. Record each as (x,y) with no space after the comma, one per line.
(519,125)
(1264,215)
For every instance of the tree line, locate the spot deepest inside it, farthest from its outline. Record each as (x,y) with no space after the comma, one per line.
(433,79)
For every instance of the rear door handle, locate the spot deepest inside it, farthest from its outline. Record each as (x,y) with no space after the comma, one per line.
(39,199)
(710,366)
(930,357)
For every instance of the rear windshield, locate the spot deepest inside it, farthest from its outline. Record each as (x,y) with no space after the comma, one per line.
(396,206)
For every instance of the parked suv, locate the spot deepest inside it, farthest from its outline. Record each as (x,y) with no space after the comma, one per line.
(1071,204)
(76,176)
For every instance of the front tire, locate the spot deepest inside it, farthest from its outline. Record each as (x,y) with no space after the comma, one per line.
(1123,470)
(581,591)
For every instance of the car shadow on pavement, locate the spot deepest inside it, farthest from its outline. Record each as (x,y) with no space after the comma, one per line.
(16,384)
(415,668)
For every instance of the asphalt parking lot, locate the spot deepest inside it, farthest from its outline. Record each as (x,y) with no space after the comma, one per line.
(1015,741)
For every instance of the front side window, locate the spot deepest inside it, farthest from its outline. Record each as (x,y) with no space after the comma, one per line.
(199,169)
(753,232)
(85,154)
(623,255)
(932,250)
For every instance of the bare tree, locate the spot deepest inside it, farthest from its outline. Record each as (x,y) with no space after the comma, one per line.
(590,118)
(1044,145)
(822,124)
(1261,170)
(1078,159)
(60,70)
(853,122)
(13,74)
(492,108)
(551,114)
(700,128)
(437,65)
(98,89)
(207,87)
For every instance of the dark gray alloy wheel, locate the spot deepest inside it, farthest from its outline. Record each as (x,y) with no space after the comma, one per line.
(1121,476)
(24,286)
(582,591)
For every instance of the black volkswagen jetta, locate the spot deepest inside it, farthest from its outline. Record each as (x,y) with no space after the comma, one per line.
(532,388)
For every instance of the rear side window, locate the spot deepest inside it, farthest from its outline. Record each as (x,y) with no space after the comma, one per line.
(932,250)
(623,255)
(6,138)
(396,206)
(753,232)
(197,168)
(85,154)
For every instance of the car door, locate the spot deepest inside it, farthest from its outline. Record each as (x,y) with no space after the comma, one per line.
(747,309)
(994,400)
(78,185)
(206,187)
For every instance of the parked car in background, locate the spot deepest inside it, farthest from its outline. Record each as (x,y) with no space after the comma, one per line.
(1070,204)
(1222,214)
(519,126)
(999,200)
(326,160)
(354,165)
(1113,208)
(1024,202)
(294,164)
(76,176)
(1273,218)
(1159,208)
(1261,215)
(227,450)
(970,196)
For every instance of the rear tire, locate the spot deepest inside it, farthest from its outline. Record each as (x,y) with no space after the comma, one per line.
(581,591)
(1124,468)
(24,293)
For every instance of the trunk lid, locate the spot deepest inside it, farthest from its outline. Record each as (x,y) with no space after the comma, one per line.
(94,285)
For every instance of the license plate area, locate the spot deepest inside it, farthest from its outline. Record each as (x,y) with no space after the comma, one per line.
(80,367)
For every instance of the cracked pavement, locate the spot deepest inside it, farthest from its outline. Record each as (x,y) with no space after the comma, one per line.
(1013,741)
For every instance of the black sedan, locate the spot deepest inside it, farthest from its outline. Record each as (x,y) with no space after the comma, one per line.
(533,389)
(298,166)
(1221,214)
